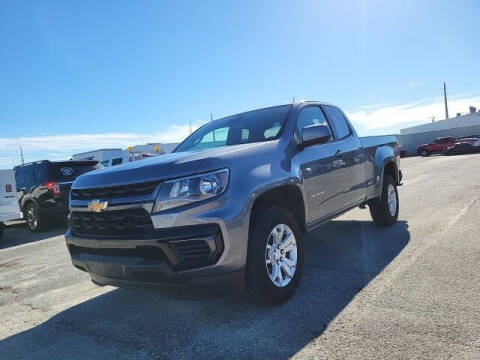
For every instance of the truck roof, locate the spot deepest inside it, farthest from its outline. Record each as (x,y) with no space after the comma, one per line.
(67,162)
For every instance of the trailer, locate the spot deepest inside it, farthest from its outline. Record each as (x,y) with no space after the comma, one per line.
(9,208)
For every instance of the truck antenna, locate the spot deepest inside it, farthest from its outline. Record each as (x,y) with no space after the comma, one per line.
(21,155)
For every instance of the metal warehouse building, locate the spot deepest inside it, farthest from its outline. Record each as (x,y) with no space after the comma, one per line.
(461,125)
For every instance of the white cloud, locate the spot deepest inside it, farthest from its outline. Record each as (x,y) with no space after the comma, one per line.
(415,84)
(63,146)
(368,120)
(395,116)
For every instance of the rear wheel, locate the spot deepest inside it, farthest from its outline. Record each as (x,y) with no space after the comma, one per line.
(2,229)
(424,153)
(275,256)
(35,221)
(384,210)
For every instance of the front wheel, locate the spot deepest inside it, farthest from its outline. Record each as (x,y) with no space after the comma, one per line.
(424,153)
(384,210)
(275,256)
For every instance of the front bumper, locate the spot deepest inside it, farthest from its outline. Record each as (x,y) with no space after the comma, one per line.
(182,261)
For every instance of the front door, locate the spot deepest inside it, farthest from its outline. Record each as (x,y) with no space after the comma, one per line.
(320,166)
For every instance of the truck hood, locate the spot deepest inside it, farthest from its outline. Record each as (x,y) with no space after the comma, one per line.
(162,167)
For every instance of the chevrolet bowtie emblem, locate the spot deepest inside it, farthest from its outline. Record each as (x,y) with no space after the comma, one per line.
(97,206)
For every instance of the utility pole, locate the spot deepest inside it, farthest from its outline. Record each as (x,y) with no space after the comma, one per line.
(21,155)
(211,117)
(190,126)
(445,97)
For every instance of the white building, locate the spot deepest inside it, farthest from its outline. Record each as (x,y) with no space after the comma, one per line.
(112,157)
(106,157)
(154,148)
(459,126)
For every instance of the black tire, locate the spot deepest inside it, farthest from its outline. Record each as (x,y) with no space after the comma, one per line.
(2,230)
(35,221)
(379,207)
(259,286)
(424,153)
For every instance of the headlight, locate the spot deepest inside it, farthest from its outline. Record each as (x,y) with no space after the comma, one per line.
(180,192)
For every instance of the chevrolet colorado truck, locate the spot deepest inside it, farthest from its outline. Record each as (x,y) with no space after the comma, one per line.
(228,209)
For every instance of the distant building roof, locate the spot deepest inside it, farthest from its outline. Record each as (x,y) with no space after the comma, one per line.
(451,123)
(91,151)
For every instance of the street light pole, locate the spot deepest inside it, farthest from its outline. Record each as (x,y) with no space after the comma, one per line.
(445,97)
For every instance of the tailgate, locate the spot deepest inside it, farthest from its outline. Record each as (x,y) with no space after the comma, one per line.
(64,196)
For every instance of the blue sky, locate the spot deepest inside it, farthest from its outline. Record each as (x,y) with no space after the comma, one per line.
(91,74)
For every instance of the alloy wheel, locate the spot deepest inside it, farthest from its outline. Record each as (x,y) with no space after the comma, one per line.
(32,218)
(281,255)
(392,200)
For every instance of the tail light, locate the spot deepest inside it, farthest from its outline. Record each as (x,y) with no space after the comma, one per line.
(8,188)
(53,187)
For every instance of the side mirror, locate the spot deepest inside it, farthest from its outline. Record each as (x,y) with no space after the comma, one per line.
(315,134)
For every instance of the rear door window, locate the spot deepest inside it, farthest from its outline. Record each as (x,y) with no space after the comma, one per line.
(29,179)
(245,135)
(40,173)
(20,178)
(340,125)
(116,161)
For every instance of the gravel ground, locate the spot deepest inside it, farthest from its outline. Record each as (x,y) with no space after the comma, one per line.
(409,291)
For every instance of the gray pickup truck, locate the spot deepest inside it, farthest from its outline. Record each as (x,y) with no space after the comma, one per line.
(228,209)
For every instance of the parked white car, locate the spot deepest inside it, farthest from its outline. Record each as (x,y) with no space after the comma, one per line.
(9,209)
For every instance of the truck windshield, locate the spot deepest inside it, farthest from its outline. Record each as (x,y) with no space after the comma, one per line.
(248,127)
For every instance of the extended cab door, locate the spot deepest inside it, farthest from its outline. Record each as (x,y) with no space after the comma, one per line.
(319,168)
(350,173)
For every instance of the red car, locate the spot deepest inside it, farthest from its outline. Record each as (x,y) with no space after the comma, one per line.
(437,146)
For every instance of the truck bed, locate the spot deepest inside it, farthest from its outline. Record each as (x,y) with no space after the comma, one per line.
(375,141)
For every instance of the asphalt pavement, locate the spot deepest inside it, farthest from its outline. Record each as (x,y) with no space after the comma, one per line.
(408,291)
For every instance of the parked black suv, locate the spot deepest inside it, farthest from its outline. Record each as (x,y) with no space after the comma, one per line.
(43,189)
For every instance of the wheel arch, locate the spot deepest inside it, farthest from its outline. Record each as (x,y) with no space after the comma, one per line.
(390,168)
(289,197)
(28,201)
